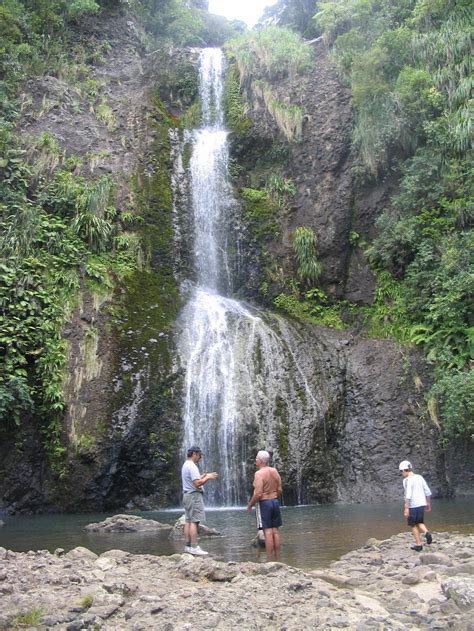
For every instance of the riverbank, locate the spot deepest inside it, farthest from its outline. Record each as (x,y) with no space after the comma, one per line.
(383,585)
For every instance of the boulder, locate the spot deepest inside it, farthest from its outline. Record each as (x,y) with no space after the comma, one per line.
(177,531)
(460,589)
(127,523)
(81,554)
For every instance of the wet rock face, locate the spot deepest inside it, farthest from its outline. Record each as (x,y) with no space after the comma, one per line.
(382,585)
(121,445)
(361,416)
(319,164)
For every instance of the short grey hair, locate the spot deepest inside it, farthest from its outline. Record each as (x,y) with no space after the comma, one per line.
(264,456)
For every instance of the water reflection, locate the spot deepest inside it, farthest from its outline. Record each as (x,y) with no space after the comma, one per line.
(313,536)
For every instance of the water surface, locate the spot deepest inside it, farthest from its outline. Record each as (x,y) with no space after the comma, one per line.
(312,536)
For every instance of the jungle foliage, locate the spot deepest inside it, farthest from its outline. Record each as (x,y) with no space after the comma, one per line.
(271,52)
(60,229)
(409,66)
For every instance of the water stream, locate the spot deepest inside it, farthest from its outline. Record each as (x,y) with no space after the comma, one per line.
(244,388)
(312,536)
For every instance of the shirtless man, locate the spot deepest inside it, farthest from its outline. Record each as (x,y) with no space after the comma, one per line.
(267,490)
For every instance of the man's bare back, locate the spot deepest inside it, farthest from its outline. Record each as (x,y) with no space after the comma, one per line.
(267,482)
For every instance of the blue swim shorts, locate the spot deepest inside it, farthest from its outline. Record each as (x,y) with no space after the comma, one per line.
(270,513)
(416,516)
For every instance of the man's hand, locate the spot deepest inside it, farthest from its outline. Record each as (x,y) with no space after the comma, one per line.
(406,512)
(428,508)
(212,476)
(249,508)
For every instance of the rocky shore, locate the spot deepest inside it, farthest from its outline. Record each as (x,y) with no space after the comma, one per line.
(382,586)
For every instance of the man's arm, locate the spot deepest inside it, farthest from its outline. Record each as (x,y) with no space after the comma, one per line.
(406,512)
(280,488)
(427,492)
(204,478)
(257,494)
(408,493)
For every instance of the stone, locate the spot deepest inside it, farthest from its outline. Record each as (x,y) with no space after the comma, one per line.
(460,589)
(127,523)
(177,531)
(105,564)
(118,555)
(435,558)
(81,554)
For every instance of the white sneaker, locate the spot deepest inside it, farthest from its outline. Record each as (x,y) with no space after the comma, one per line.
(197,551)
(187,549)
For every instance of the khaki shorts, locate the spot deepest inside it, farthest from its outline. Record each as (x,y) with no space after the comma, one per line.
(194,508)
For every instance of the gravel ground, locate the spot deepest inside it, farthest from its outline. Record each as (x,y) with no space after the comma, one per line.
(383,585)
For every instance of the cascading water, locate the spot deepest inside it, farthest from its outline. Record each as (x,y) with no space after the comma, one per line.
(239,396)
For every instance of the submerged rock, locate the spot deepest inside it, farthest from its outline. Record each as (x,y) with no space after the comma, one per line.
(127,523)
(177,531)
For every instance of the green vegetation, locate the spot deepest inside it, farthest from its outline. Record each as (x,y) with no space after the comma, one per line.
(271,52)
(312,306)
(262,57)
(174,22)
(60,230)
(52,233)
(27,620)
(304,245)
(235,104)
(288,117)
(260,214)
(409,65)
(87,601)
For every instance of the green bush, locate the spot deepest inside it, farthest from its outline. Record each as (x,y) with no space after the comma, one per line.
(272,52)
(455,393)
(77,9)
(304,245)
(409,65)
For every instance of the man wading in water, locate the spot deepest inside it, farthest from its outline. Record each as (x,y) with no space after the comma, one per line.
(267,490)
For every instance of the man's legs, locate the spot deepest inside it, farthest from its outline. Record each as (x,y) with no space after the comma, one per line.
(268,534)
(191,533)
(416,533)
(272,543)
(423,528)
(276,543)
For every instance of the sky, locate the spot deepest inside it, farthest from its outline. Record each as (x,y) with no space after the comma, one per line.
(248,11)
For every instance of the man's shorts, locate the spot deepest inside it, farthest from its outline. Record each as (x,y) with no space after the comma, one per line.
(270,515)
(194,507)
(416,516)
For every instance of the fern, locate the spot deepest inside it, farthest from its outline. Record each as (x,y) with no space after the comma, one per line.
(304,245)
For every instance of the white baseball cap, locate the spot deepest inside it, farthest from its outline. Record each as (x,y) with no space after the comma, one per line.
(404,465)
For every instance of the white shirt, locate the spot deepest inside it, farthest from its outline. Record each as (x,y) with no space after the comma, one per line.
(416,490)
(190,472)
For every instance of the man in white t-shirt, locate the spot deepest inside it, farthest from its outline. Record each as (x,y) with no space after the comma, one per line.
(417,499)
(193,501)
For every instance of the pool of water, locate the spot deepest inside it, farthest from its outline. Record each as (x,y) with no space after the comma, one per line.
(312,536)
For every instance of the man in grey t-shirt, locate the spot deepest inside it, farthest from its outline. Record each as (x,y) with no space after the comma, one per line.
(193,501)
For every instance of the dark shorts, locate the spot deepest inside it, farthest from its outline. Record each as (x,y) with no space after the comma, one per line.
(270,513)
(416,516)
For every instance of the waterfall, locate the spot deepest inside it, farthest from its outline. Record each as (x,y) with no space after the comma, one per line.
(238,393)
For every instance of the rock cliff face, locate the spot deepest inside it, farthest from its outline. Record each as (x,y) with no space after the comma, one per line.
(367,417)
(123,426)
(120,430)
(319,165)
